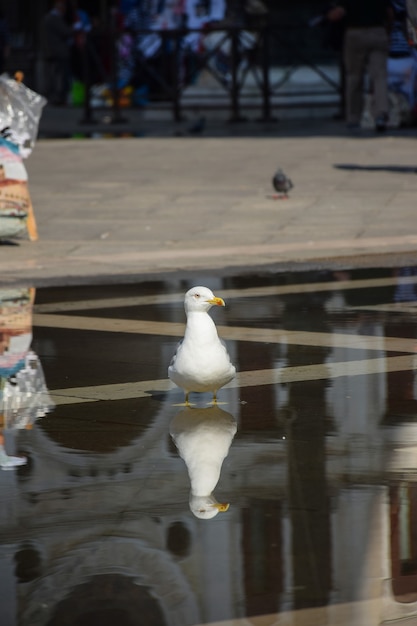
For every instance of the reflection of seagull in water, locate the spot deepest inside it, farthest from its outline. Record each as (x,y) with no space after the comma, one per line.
(201,362)
(203,438)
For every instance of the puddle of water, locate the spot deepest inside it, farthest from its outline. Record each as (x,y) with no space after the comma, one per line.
(294,500)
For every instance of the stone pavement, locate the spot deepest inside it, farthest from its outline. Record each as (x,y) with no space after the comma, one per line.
(130,207)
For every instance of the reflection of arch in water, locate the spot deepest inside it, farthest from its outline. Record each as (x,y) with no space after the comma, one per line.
(79,464)
(106,600)
(152,570)
(100,427)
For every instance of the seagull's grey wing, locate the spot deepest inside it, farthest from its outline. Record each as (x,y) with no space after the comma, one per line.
(175,353)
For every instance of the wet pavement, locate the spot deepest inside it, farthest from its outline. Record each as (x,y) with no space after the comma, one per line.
(311,451)
(317,432)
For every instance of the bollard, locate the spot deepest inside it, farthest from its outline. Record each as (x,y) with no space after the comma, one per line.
(266,87)
(235,88)
(87,111)
(116,117)
(176,82)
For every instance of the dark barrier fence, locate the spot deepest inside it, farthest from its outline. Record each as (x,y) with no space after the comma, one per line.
(230,55)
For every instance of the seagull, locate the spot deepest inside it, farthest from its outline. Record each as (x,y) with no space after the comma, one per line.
(282,184)
(201,362)
(203,438)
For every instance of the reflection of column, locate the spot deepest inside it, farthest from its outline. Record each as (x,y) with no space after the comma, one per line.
(258,356)
(403,536)
(308,501)
(218,579)
(307,498)
(7,587)
(361,555)
(263,578)
(401,400)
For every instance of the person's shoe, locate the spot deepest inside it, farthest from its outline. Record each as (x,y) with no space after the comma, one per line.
(381,123)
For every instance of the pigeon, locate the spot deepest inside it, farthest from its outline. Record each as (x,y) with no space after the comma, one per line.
(201,362)
(282,184)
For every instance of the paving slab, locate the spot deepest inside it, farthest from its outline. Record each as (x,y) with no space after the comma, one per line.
(108,208)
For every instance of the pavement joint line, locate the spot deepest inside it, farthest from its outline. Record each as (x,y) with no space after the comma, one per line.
(409,307)
(232,333)
(255,378)
(248,249)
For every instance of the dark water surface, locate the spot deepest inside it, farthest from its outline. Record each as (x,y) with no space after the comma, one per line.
(99,524)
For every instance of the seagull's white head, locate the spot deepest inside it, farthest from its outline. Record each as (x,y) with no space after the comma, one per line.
(206,507)
(201,299)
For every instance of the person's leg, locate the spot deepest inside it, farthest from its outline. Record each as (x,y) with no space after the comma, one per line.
(49,79)
(354,58)
(378,58)
(64,81)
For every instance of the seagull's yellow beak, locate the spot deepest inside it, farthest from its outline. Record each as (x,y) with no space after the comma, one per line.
(217,301)
(222,506)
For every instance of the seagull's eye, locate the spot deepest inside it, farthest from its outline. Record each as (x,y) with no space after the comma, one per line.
(196,295)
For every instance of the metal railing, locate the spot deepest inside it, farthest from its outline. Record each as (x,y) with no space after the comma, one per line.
(177,68)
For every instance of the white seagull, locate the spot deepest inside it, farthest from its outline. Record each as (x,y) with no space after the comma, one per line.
(201,362)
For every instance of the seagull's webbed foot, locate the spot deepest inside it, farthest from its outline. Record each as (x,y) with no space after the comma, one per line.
(215,401)
(186,401)
(279,196)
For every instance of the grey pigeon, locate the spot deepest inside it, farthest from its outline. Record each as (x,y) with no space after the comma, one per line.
(282,184)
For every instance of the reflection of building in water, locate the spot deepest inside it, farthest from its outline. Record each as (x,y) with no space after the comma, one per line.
(320,479)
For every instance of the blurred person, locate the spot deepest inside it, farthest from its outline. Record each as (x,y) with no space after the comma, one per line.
(200,16)
(365,48)
(333,38)
(55,39)
(152,51)
(402,57)
(4,40)
(214,40)
(81,25)
(152,15)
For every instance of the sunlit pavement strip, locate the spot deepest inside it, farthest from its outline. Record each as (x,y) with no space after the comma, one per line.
(338,614)
(250,292)
(260,335)
(395,307)
(143,389)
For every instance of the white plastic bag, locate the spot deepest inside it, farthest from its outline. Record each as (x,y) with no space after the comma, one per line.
(20,112)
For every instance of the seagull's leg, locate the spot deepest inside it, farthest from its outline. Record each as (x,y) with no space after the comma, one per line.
(214,397)
(277,196)
(187,400)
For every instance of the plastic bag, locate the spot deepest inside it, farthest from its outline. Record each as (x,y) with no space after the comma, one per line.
(24,396)
(17,218)
(20,112)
